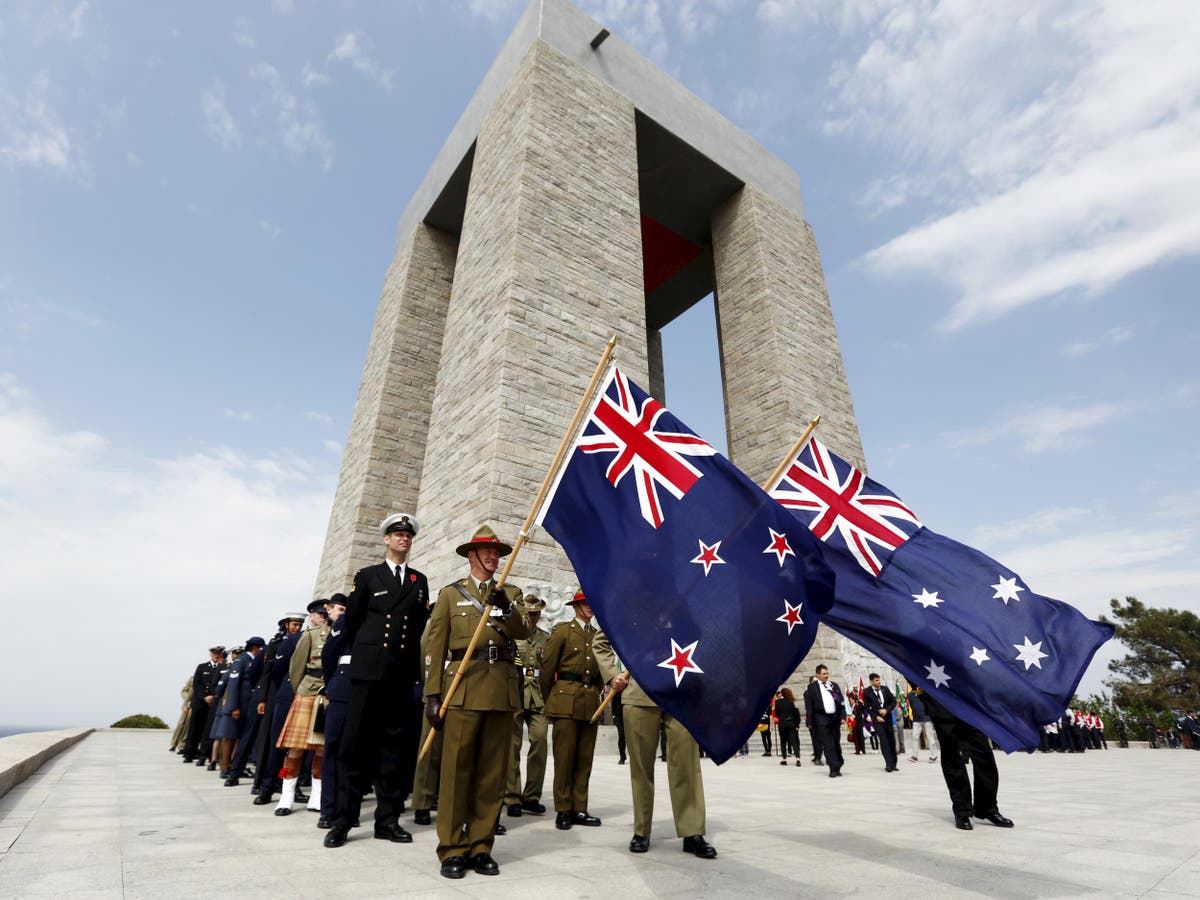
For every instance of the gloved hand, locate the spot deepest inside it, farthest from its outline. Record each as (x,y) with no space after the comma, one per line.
(433,705)
(499,599)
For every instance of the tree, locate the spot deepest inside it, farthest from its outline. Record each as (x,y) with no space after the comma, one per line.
(1162,671)
(141,720)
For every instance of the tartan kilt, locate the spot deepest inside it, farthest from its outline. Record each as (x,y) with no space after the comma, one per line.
(298,725)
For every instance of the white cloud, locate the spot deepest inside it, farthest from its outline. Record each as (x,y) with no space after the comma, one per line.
(332,447)
(311,78)
(300,128)
(1042,428)
(153,558)
(31,132)
(493,10)
(270,228)
(218,120)
(1054,141)
(243,33)
(323,418)
(1117,335)
(238,415)
(352,48)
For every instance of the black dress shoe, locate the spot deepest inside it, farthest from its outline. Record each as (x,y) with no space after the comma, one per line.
(696,844)
(639,843)
(484,864)
(188,760)
(833,774)
(324,823)
(421,817)
(301,797)
(263,798)
(500,829)
(514,810)
(200,762)
(336,836)
(582,818)
(232,781)
(563,820)
(283,811)
(998,820)
(212,766)
(532,806)
(963,822)
(393,832)
(255,790)
(454,867)
(621,761)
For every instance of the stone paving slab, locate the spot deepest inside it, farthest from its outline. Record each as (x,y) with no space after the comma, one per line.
(119,816)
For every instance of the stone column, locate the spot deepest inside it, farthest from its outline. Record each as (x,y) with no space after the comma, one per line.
(549,265)
(780,360)
(385,450)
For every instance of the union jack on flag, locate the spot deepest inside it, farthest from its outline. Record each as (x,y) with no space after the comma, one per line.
(843,507)
(621,425)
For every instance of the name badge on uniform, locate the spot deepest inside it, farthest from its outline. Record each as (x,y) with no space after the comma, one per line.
(464,603)
(380,593)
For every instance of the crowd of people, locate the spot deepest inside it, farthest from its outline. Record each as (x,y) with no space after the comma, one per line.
(382,690)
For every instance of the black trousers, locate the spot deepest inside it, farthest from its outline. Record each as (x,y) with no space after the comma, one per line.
(246,741)
(195,736)
(789,741)
(957,738)
(886,732)
(828,731)
(618,714)
(379,745)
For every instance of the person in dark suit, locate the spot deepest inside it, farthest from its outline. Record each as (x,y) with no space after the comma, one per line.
(247,714)
(810,722)
(204,682)
(265,690)
(828,707)
(878,705)
(958,739)
(275,717)
(385,615)
(335,663)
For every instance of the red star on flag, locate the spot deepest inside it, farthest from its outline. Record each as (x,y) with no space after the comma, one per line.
(708,556)
(791,616)
(680,661)
(779,546)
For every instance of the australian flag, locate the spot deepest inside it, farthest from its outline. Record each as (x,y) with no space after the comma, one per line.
(955,622)
(708,590)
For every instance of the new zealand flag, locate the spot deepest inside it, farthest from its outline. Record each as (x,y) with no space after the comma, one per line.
(709,591)
(955,622)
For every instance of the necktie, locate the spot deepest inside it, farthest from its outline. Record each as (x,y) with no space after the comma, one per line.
(399,569)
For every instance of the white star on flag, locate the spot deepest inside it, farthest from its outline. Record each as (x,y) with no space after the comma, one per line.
(708,557)
(1007,590)
(680,661)
(779,545)
(1030,654)
(791,616)
(937,674)
(927,599)
(979,657)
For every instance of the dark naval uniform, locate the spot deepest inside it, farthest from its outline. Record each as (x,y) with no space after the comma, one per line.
(477,730)
(335,663)
(204,682)
(520,798)
(571,685)
(385,614)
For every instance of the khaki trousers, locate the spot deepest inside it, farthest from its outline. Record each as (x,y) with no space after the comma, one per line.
(574,747)
(642,724)
(535,762)
(475,749)
(425,779)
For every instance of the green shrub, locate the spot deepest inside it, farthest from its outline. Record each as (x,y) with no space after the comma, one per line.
(141,720)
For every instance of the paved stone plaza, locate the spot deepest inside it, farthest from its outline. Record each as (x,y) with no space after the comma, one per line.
(119,816)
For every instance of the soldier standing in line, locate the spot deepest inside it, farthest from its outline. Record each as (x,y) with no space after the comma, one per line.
(179,735)
(643,722)
(477,731)
(208,749)
(276,714)
(429,767)
(308,683)
(266,687)
(571,686)
(335,663)
(530,653)
(204,682)
(385,614)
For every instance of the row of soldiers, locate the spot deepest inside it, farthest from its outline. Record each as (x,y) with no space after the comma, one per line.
(352,698)
(1076,732)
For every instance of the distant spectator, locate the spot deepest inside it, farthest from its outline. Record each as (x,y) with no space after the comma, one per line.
(789,725)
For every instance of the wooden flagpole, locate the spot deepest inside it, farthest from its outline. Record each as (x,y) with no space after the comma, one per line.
(791,454)
(771,482)
(568,438)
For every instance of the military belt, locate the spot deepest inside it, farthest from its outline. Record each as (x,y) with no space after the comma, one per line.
(314,670)
(491,654)
(587,680)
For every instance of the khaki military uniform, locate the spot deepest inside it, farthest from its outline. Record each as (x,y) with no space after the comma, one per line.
(429,766)
(529,660)
(477,731)
(643,721)
(181,727)
(571,685)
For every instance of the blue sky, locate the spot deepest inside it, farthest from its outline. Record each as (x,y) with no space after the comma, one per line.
(198,204)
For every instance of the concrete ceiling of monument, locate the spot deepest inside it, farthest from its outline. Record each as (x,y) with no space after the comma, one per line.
(678,189)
